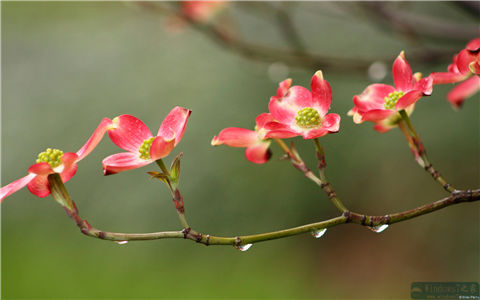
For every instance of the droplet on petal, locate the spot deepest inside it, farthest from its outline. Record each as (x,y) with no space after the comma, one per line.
(51,156)
(319,233)
(121,242)
(378,228)
(243,248)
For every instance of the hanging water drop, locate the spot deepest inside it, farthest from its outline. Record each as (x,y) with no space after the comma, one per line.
(121,242)
(378,228)
(319,233)
(243,248)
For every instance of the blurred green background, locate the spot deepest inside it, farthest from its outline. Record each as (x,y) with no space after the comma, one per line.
(66,65)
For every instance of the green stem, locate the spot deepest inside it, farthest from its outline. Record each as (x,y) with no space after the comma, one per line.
(162,166)
(346,217)
(418,150)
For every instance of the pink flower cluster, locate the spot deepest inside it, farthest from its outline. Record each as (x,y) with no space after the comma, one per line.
(294,111)
(127,132)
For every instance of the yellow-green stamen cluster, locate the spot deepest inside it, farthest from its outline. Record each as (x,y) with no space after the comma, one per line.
(145,148)
(51,156)
(308,117)
(392,99)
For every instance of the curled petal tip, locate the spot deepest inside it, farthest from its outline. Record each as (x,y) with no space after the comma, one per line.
(402,54)
(215,141)
(319,74)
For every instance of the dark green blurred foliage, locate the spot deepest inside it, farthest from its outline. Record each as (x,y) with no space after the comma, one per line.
(65,66)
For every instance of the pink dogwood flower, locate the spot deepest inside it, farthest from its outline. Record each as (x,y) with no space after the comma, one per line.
(54,161)
(131,134)
(254,140)
(299,112)
(465,68)
(380,103)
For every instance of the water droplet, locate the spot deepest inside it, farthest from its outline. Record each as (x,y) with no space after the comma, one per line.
(243,248)
(121,242)
(319,233)
(378,228)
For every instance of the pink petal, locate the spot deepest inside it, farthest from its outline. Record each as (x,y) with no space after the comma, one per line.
(464,59)
(263,119)
(408,99)
(377,115)
(15,186)
(331,122)
(373,97)
(315,133)
(235,137)
(94,139)
(161,147)
(473,45)
(122,162)
(283,87)
(39,186)
(463,90)
(321,93)
(128,133)
(447,77)
(175,122)
(258,153)
(281,134)
(285,109)
(41,168)
(382,128)
(402,74)
(425,85)
(69,160)
(474,66)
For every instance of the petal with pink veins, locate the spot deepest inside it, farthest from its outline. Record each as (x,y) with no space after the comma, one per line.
(128,132)
(235,137)
(94,139)
(402,74)
(408,99)
(285,109)
(321,93)
(39,186)
(161,147)
(373,97)
(263,119)
(41,168)
(446,77)
(331,122)
(376,115)
(122,162)
(463,90)
(69,160)
(15,186)
(258,153)
(315,133)
(175,121)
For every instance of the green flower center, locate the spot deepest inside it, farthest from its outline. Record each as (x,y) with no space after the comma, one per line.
(51,156)
(145,148)
(392,99)
(308,117)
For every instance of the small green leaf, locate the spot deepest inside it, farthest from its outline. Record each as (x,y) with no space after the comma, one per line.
(175,169)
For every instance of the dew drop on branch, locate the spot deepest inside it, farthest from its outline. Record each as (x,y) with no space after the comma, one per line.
(379,228)
(319,233)
(243,248)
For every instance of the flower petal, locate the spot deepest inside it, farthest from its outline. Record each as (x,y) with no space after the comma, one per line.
(161,147)
(41,168)
(95,138)
(376,115)
(175,122)
(473,45)
(283,87)
(315,133)
(409,98)
(331,122)
(263,119)
(235,137)
(69,160)
(15,186)
(128,133)
(39,186)
(464,59)
(425,85)
(122,162)
(447,77)
(373,97)
(463,90)
(321,93)
(402,74)
(258,153)
(285,109)
(382,128)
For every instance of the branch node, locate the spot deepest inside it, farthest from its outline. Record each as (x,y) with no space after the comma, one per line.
(347,215)
(387,219)
(363,220)
(101,235)
(207,241)
(238,241)
(198,237)
(186,231)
